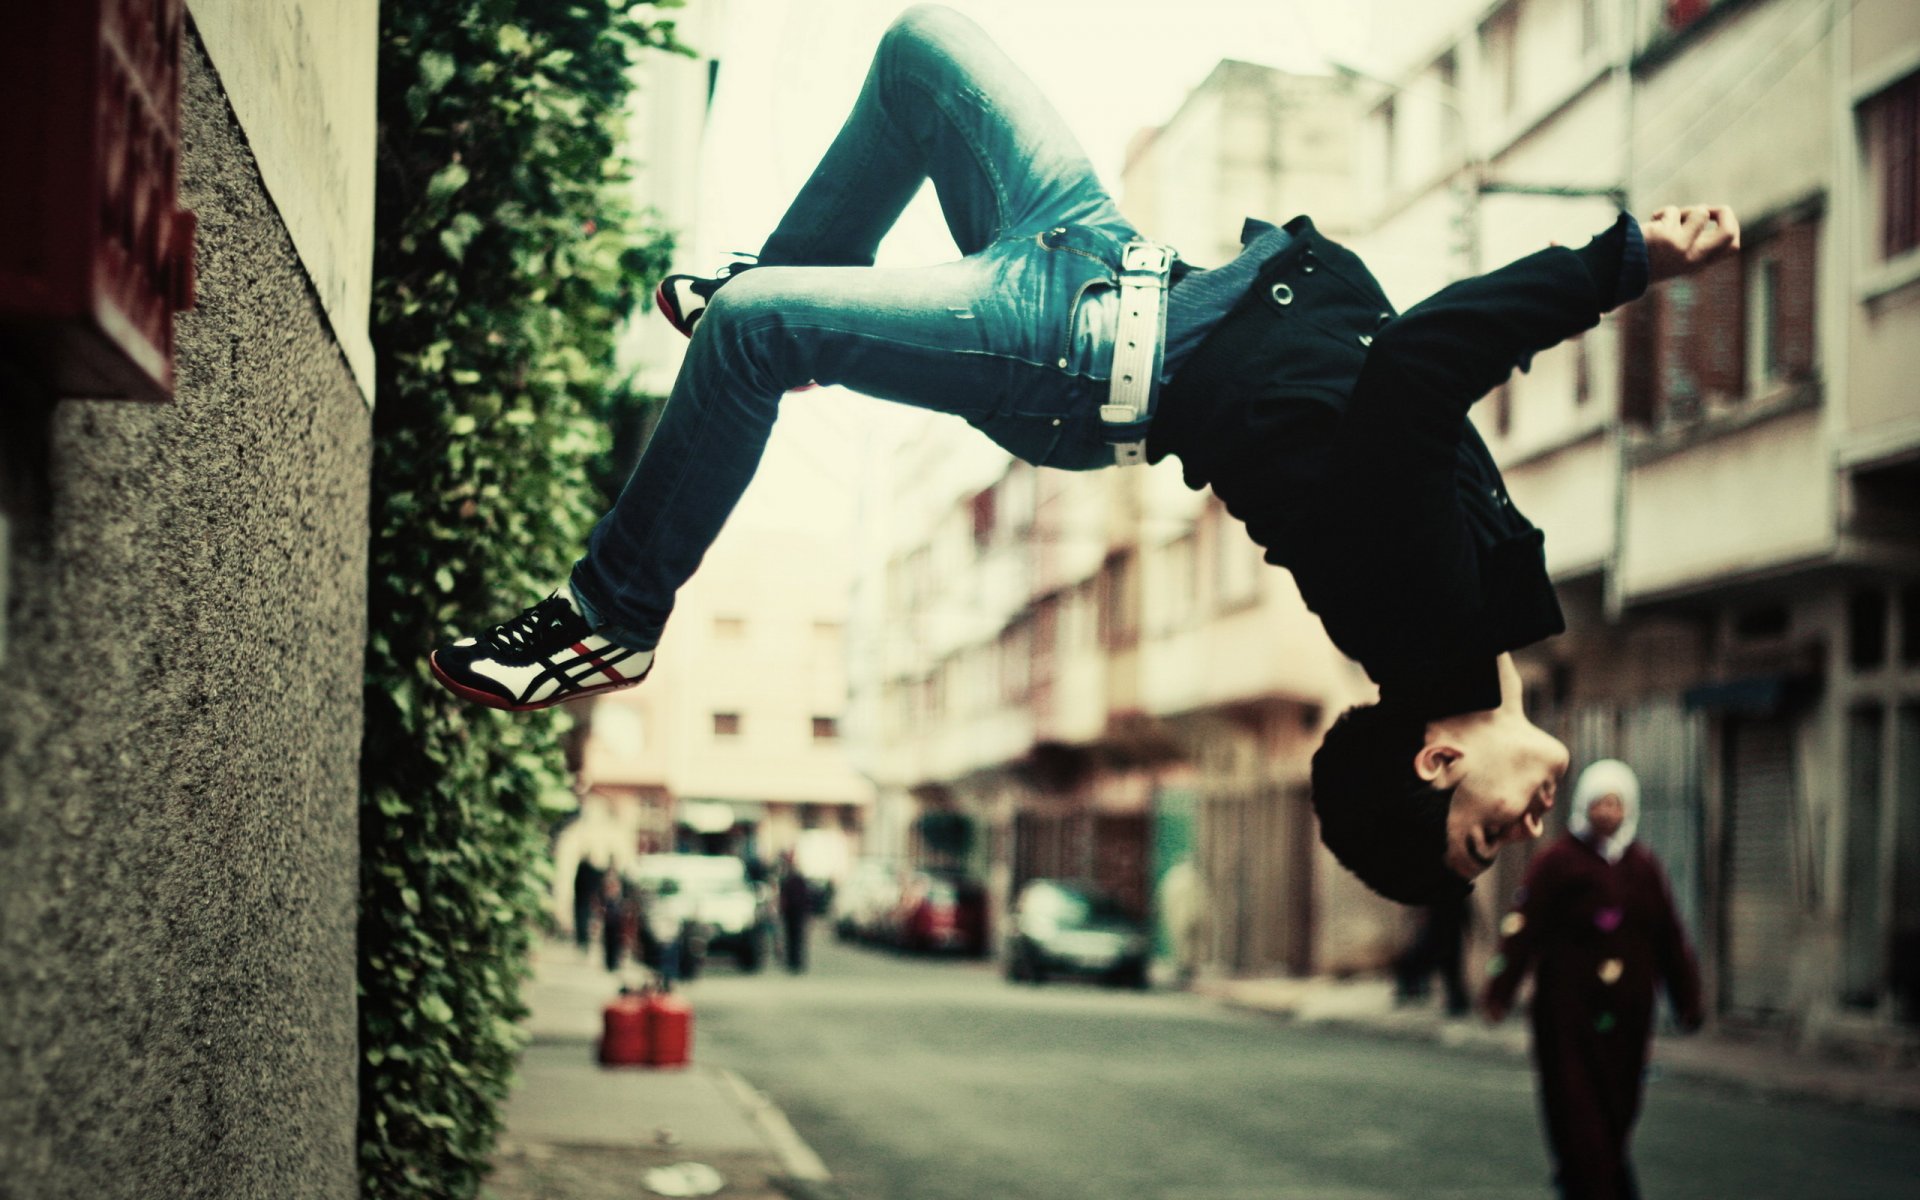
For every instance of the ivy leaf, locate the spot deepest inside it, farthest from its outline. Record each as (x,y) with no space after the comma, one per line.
(459,233)
(436,70)
(514,40)
(434,1009)
(448,180)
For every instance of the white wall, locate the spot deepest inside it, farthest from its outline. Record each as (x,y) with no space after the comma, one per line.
(297,73)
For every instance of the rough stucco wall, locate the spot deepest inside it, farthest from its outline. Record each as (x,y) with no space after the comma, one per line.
(179,743)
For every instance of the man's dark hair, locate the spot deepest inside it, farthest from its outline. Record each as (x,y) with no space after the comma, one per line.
(1381,820)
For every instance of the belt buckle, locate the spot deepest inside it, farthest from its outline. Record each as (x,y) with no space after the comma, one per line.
(1147,258)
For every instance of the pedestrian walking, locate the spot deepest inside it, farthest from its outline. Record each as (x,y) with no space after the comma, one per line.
(1183,914)
(1283,380)
(1596,925)
(616,920)
(587,880)
(795,897)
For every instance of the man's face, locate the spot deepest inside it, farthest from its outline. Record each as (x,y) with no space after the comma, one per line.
(1509,772)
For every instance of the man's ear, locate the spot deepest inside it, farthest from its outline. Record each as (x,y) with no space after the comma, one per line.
(1439,761)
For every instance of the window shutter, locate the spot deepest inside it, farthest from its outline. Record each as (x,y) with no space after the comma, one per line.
(1794,307)
(1719,345)
(1639,360)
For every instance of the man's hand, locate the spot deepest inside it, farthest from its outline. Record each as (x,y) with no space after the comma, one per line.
(1681,241)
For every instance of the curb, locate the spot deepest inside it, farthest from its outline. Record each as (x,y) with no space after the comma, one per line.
(796,1158)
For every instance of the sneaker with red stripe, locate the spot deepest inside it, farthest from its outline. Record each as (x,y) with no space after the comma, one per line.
(545,656)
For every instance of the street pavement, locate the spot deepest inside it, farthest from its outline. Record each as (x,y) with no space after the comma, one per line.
(918,1079)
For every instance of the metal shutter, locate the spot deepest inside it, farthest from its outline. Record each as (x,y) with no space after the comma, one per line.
(1761,916)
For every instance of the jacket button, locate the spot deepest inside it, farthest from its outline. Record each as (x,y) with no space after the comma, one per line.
(1308,269)
(1282,294)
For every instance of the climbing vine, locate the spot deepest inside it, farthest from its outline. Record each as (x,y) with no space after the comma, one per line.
(507,255)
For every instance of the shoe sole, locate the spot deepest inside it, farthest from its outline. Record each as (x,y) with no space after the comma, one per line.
(663,301)
(489,700)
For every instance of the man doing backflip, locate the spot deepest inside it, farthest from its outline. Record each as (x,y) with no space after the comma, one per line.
(1333,427)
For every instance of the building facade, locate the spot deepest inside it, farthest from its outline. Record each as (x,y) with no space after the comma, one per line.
(1725,470)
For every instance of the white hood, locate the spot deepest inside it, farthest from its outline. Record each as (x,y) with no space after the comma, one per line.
(1608,777)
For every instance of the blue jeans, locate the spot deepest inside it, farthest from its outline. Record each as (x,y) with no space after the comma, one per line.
(1016,337)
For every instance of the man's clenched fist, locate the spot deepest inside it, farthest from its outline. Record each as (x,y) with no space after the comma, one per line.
(1682,240)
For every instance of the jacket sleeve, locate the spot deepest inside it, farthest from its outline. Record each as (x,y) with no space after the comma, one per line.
(1396,452)
(1429,366)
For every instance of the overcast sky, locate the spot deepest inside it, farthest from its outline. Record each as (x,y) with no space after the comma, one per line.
(791,69)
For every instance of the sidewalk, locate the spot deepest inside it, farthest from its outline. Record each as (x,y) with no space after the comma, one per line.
(1751,1067)
(580,1131)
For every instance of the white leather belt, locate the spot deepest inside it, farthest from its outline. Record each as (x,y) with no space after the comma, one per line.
(1138,341)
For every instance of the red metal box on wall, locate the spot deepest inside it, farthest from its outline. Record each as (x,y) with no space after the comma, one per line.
(95,255)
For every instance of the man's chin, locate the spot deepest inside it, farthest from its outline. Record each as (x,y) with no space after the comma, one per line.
(1468,865)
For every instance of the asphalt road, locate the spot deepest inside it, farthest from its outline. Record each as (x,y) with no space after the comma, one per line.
(927,1080)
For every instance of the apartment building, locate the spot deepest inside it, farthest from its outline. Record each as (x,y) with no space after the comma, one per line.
(1726,471)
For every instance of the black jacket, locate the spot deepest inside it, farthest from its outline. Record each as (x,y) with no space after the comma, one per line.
(1338,432)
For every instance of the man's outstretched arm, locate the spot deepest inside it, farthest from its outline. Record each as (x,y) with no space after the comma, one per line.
(1430,365)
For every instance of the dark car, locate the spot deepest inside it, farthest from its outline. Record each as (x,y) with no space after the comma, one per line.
(941,912)
(1065,928)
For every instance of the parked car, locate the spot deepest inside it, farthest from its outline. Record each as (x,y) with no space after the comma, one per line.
(1066,928)
(863,906)
(709,899)
(940,912)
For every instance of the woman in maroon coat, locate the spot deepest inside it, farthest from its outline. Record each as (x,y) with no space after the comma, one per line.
(1595,921)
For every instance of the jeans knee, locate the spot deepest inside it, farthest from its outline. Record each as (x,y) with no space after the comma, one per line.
(921,23)
(745,328)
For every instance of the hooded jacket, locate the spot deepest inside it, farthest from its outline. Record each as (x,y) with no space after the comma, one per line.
(1338,432)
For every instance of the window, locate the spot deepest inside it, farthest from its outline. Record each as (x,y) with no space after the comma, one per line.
(826,729)
(1890,124)
(1867,629)
(1743,326)
(726,724)
(1780,290)
(1119,602)
(1763,305)
(982,509)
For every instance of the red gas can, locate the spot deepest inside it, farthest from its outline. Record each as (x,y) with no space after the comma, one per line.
(669,1031)
(623,1031)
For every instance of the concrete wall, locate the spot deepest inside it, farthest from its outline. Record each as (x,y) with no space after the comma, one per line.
(179,746)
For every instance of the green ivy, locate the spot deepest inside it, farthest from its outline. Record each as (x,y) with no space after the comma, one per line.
(506,258)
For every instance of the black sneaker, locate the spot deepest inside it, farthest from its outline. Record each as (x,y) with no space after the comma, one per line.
(682,299)
(545,656)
